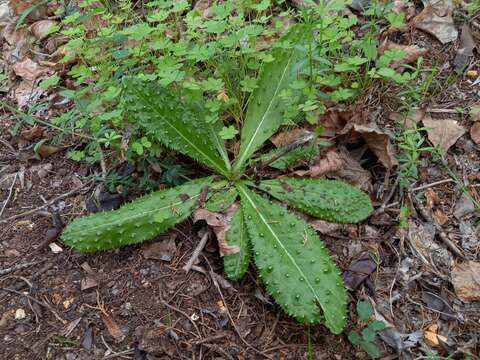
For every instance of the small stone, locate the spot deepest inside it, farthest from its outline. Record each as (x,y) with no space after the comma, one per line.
(55,248)
(20,314)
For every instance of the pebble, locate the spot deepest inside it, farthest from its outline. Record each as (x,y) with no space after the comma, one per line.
(20,314)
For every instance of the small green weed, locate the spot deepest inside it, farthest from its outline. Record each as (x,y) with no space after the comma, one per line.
(366,339)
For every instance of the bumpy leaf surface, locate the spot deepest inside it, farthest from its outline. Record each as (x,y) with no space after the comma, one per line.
(237,264)
(222,200)
(292,158)
(177,125)
(329,200)
(266,108)
(137,221)
(294,263)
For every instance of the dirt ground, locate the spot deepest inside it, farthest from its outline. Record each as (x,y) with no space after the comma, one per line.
(138,303)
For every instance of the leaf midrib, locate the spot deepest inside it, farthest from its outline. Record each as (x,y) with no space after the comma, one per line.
(213,163)
(138,215)
(242,158)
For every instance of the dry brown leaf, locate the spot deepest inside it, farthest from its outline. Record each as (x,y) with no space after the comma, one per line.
(431,198)
(403,7)
(475,132)
(440,217)
(27,93)
(443,133)
(203,7)
(17,45)
(29,70)
(112,327)
(287,137)
(332,162)
(20,6)
(465,50)
(436,19)
(466,280)
(33,133)
(413,52)
(352,172)
(47,150)
(41,29)
(161,250)
(220,223)
(432,338)
(379,143)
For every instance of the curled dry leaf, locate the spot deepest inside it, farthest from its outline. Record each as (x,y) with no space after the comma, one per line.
(379,143)
(465,50)
(403,7)
(288,137)
(359,271)
(41,29)
(466,281)
(413,52)
(332,162)
(162,250)
(475,132)
(220,223)
(29,70)
(203,7)
(443,133)
(436,19)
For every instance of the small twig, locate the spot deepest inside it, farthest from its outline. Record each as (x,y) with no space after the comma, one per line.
(230,315)
(210,339)
(282,152)
(51,202)
(41,303)
(385,202)
(442,235)
(120,353)
(427,186)
(19,267)
(9,195)
(196,252)
(184,314)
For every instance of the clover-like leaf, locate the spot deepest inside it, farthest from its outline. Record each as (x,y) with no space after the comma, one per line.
(294,263)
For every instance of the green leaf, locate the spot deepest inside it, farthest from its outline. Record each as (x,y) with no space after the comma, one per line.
(294,263)
(368,334)
(222,200)
(364,310)
(175,124)
(354,338)
(265,110)
(228,133)
(325,199)
(377,325)
(236,265)
(371,349)
(294,157)
(137,221)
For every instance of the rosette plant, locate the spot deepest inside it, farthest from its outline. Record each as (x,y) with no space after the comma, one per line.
(292,261)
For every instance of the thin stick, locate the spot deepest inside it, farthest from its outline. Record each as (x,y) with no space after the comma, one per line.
(33,211)
(41,303)
(184,314)
(283,151)
(423,187)
(19,267)
(9,195)
(230,315)
(441,234)
(385,202)
(124,352)
(196,252)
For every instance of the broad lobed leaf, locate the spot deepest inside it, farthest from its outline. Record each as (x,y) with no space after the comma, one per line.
(329,200)
(237,264)
(176,124)
(266,108)
(137,221)
(294,263)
